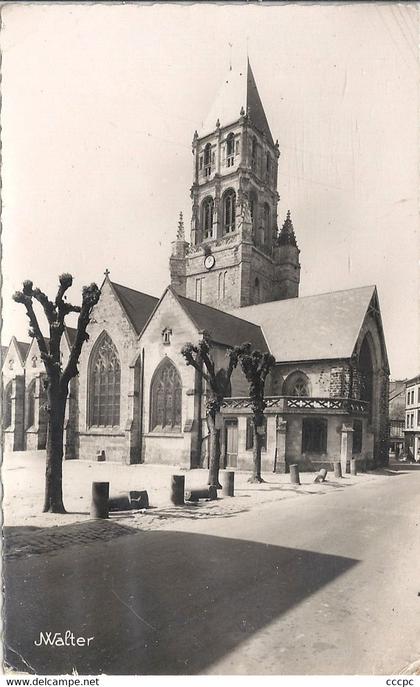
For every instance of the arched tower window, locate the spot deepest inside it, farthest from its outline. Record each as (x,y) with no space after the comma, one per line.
(254,147)
(267,224)
(267,217)
(207,160)
(104,384)
(230,150)
(207,217)
(7,405)
(297,384)
(253,209)
(30,404)
(257,291)
(267,167)
(166,398)
(229,211)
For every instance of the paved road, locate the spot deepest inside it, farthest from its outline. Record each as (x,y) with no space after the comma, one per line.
(318,584)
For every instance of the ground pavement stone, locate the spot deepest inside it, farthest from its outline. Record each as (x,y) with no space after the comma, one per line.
(19,542)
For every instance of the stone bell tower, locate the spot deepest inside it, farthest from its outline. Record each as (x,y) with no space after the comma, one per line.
(235,257)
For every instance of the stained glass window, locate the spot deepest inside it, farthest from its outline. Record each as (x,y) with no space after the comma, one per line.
(297,384)
(105,385)
(166,399)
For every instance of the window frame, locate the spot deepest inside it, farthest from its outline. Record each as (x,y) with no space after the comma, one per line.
(104,385)
(249,435)
(170,388)
(229,211)
(318,432)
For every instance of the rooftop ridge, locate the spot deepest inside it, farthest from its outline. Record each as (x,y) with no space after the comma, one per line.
(301,298)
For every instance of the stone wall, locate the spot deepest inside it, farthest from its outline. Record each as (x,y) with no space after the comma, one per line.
(170,448)
(109,317)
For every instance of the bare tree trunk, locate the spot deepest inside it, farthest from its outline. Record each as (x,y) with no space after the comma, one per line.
(53,502)
(214,448)
(256,453)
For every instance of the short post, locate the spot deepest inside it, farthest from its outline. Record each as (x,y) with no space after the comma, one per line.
(227,480)
(294,474)
(100,495)
(337,470)
(353,467)
(177,489)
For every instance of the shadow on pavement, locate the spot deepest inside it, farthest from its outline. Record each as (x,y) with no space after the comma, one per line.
(156,603)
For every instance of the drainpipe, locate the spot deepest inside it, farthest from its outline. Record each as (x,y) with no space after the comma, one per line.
(141,407)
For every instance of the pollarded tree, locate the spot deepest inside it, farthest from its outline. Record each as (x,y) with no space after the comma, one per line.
(199,357)
(256,366)
(57,379)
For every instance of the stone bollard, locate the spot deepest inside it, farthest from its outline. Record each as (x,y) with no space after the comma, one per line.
(206,493)
(321,475)
(177,489)
(100,496)
(227,480)
(119,502)
(353,467)
(294,474)
(139,499)
(337,470)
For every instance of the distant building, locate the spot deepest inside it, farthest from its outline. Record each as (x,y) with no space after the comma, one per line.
(412,418)
(396,416)
(237,279)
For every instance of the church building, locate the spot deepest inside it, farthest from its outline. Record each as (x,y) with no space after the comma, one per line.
(237,280)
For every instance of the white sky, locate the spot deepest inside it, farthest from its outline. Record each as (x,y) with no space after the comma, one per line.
(100,103)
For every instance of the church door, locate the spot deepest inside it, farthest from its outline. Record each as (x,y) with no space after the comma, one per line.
(231,443)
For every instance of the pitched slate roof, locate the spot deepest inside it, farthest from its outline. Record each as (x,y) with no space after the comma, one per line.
(224,328)
(71,333)
(23,347)
(238,90)
(138,306)
(321,327)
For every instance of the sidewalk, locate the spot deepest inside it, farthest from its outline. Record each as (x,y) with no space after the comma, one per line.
(23,484)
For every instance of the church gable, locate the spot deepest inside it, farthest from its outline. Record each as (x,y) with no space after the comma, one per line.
(14,358)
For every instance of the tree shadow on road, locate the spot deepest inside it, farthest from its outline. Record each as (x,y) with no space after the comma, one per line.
(168,603)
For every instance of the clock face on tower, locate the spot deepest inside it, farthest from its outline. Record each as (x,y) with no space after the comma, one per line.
(209,262)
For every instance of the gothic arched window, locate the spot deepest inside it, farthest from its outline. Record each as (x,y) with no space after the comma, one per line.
(104,384)
(7,405)
(166,398)
(229,211)
(297,384)
(30,405)
(230,150)
(207,217)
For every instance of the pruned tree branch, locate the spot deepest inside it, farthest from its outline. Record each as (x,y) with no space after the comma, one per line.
(90,296)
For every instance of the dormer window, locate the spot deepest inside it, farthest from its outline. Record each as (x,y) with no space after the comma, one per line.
(230,150)
(207,160)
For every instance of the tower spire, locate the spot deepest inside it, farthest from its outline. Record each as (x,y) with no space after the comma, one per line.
(287,234)
(181,230)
